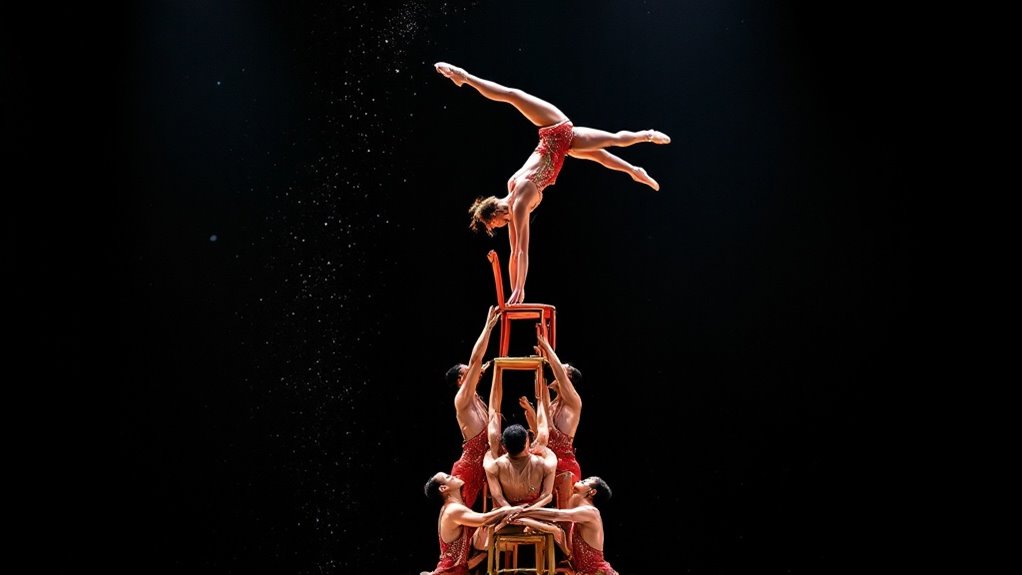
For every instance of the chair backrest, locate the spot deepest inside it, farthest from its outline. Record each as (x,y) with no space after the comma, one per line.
(498,277)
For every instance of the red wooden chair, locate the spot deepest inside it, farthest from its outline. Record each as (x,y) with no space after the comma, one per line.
(544,314)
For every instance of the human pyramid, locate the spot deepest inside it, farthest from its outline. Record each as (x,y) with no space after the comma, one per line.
(530,475)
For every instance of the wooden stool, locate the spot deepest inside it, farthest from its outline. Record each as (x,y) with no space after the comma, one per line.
(506,542)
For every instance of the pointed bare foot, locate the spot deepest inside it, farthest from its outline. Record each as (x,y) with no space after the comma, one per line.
(657,137)
(640,175)
(456,74)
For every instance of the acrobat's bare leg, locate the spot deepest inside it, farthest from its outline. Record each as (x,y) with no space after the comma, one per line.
(539,112)
(608,160)
(593,139)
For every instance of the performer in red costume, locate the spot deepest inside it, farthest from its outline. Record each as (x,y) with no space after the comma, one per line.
(471,414)
(557,138)
(564,414)
(586,537)
(457,524)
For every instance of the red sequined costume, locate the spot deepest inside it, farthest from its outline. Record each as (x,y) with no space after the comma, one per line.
(562,446)
(454,555)
(470,467)
(586,560)
(554,143)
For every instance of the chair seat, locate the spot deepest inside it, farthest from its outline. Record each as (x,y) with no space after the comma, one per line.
(529,310)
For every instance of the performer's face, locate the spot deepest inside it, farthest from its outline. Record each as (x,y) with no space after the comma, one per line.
(499,220)
(582,487)
(451,481)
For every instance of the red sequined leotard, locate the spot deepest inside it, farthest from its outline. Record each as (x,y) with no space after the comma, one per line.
(554,143)
(562,446)
(454,555)
(587,560)
(470,467)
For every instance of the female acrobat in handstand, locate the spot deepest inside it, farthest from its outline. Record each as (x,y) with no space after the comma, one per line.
(557,138)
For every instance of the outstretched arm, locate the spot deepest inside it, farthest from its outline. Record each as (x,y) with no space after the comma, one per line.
(467,391)
(542,437)
(536,524)
(512,262)
(542,417)
(546,494)
(571,401)
(465,516)
(530,413)
(493,429)
(581,514)
(493,436)
(520,251)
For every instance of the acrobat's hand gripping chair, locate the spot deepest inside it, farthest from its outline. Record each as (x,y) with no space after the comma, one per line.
(544,314)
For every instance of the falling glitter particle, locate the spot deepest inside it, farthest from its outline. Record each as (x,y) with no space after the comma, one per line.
(213,238)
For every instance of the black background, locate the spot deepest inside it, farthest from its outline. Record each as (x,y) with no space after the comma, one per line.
(250,221)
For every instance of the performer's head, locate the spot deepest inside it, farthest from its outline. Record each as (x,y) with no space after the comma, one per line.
(456,375)
(515,438)
(440,485)
(594,488)
(573,374)
(488,214)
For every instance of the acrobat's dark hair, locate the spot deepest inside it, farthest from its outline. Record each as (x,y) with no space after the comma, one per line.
(482,210)
(603,492)
(453,374)
(432,489)
(513,438)
(574,374)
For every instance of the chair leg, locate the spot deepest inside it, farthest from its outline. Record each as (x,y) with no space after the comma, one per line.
(503,557)
(505,335)
(553,330)
(551,566)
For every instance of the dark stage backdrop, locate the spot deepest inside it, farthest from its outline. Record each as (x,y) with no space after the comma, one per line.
(294,273)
